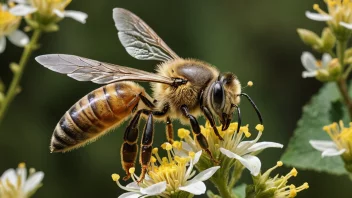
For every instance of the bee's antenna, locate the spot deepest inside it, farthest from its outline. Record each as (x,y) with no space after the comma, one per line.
(254,106)
(239,120)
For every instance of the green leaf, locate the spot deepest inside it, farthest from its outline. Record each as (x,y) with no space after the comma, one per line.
(240,191)
(323,109)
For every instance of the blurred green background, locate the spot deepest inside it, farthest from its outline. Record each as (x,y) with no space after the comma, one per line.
(256,40)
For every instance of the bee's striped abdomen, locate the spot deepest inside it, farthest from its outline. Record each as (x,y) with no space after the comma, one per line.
(95,114)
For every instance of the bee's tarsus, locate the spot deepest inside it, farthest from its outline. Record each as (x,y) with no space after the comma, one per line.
(239,119)
(169,131)
(211,120)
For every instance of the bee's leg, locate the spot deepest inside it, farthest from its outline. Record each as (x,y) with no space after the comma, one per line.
(208,115)
(129,147)
(202,141)
(169,131)
(147,138)
(146,146)
(211,120)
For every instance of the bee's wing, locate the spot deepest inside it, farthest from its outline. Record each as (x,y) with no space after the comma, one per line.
(84,69)
(139,39)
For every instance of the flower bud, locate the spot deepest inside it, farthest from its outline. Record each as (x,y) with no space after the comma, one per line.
(310,38)
(328,40)
(334,69)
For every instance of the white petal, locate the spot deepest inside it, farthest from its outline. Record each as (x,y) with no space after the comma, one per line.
(325,60)
(22,173)
(307,74)
(9,175)
(154,189)
(322,145)
(133,185)
(308,61)
(197,157)
(18,38)
(263,145)
(318,17)
(33,181)
(204,175)
(252,163)
(2,44)
(76,15)
(130,195)
(22,10)
(332,152)
(197,188)
(346,25)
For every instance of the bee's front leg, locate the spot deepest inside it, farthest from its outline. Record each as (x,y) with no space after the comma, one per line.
(202,141)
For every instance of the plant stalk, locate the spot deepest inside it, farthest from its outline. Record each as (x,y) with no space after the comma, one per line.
(18,72)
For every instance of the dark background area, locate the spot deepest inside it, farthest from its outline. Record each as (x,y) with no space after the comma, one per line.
(256,40)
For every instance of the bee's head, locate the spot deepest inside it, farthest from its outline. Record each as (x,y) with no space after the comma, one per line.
(224,97)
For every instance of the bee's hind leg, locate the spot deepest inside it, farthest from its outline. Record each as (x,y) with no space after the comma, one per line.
(202,141)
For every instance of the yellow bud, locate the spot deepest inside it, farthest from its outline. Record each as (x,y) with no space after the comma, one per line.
(328,40)
(260,127)
(316,7)
(250,83)
(305,185)
(293,191)
(334,69)
(132,170)
(310,38)
(115,177)
(155,150)
(294,172)
(22,165)
(191,154)
(152,159)
(279,163)
(182,133)
(177,144)
(168,147)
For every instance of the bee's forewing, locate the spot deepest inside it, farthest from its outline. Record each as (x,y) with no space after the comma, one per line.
(84,69)
(139,40)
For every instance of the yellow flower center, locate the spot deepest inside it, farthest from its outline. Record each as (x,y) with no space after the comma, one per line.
(46,7)
(8,22)
(341,135)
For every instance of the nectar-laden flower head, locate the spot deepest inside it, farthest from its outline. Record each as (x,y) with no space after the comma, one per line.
(233,146)
(168,175)
(266,186)
(47,11)
(338,16)
(341,143)
(16,184)
(9,24)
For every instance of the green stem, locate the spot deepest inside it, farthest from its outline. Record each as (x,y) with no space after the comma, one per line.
(18,71)
(347,72)
(341,82)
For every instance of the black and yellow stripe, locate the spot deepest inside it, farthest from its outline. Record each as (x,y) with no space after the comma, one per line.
(95,114)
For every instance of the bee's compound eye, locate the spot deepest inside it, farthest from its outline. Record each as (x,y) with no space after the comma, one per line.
(218,95)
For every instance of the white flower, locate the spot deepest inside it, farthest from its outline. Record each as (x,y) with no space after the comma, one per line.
(47,8)
(339,13)
(328,148)
(14,183)
(233,145)
(167,176)
(313,66)
(9,24)
(341,143)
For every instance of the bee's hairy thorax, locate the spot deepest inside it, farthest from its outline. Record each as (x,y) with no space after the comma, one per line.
(198,75)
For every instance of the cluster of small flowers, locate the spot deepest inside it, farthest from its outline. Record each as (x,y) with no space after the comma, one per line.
(16,184)
(175,175)
(12,13)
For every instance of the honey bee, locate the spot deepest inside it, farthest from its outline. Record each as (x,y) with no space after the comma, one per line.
(182,89)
